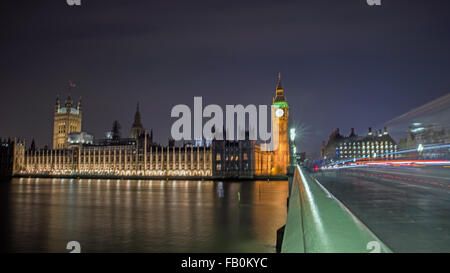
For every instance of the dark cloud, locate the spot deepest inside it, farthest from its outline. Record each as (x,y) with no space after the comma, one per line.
(344,64)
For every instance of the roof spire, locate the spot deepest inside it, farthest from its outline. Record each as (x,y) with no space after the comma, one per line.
(279,81)
(137,117)
(279,93)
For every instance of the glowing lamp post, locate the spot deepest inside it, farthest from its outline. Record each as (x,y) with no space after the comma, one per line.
(420,148)
(292,131)
(293,148)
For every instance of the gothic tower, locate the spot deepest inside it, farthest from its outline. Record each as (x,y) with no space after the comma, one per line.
(280,119)
(66,120)
(137,130)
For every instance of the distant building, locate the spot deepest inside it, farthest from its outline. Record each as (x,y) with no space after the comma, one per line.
(371,146)
(66,120)
(233,159)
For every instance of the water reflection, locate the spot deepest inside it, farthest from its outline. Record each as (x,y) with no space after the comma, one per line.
(220,189)
(142,216)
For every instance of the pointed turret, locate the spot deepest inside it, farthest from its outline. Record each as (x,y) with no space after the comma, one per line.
(57,103)
(137,117)
(280,99)
(137,129)
(69,102)
(279,86)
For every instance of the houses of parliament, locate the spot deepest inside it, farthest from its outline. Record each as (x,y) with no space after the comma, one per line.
(77,154)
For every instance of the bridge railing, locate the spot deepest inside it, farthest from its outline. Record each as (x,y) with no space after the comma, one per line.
(318,222)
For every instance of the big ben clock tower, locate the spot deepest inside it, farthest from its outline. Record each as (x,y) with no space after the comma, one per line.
(280,117)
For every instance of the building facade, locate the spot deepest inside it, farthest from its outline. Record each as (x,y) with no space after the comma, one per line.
(274,159)
(378,145)
(76,153)
(66,120)
(81,155)
(233,159)
(120,159)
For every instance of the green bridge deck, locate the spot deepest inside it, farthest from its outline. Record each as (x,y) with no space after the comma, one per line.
(318,222)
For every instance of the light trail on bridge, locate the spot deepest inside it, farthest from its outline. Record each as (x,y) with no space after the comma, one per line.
(384,159)
(408,207)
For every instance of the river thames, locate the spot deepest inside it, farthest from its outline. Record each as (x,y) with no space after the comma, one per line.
(43,215)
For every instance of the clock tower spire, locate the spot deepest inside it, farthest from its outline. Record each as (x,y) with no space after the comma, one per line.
(280,120)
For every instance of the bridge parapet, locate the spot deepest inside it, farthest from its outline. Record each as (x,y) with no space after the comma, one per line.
(318,222)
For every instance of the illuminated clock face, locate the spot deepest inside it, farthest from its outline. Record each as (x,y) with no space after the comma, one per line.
(279,113)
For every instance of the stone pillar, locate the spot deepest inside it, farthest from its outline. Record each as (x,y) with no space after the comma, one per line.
(174,159)
(198,159)
(157,159)
(168,157)
(191,165)
(115,161)
(180,162)
(185,159)
(162,159)
(51,159)
(104,158)
(204,158)
(124,158)
(151,158)
(210,160)
(120,159)
(145,151)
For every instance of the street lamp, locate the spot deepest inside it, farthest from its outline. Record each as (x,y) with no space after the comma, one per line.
(292,131)
(293,148)
(420,148)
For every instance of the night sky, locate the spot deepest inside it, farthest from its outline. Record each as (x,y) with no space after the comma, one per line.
(343,63)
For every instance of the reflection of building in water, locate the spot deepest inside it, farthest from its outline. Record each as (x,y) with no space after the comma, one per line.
(374,145)
(220,191)
(263,195)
